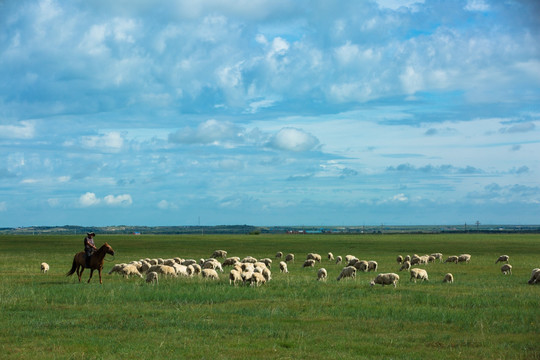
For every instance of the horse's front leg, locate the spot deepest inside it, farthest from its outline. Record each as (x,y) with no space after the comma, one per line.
(99,271)
(91,273)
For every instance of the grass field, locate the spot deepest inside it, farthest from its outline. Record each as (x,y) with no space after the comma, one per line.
(483,315)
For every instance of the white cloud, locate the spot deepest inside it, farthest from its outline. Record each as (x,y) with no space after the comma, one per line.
(88,199)
(208,132)
(3,206)
(400,197)
(26,130)
(166,205)
(476,5)
(293,139)
(118,200)
(111,141)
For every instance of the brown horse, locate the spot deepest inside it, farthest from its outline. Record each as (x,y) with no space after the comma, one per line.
(96,262)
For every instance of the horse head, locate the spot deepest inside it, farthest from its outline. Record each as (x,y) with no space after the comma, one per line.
(108,249)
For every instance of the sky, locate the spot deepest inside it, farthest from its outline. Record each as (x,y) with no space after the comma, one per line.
(269,112)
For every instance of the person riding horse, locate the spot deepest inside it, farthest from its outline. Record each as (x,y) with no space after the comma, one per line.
(89,246)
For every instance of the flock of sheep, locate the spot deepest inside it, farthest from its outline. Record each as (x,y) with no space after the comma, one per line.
(255,272)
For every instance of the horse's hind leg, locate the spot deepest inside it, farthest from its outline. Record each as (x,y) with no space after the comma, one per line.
(91,273)
(80,270)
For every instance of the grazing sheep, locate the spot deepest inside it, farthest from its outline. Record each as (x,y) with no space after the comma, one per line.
(283,267)
(289,257)
(210,274)
(230,261)
(117,268)
(407,258)
(44,267)
(502,258)
(235,276)
(362,265)
(330,256)
(506,269)
(385,279)
(322,274)
(152,277)
(352,261)
(399,259)
(145,265)
(196,269)
(453,259)
(183,270)
(405,266)
(431,259)
(169,262)
(267,262)
(188,262)
(267,274)
(219,253)
(339,259)
(247,267)
(372,265)
(348,258)
(535,277)
(257,279)
(249,259)
(438,256)
(347,271)
(417,273)
(464,258)
(309,263)
(448,278)
(313,256)
(279,255)
(165,270)
(129,270)
(212,264)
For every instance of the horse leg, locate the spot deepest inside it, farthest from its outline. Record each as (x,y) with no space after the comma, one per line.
(91,273)
(80,270)
(99,271)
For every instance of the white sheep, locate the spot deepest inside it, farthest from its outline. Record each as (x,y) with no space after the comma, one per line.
(152,277)
(182,270)
(330,256)
(464,258)
(117,268)
(347,272)
(452,258)
(405,266)
(289,257)
(231,261)
(235,276)
(385,279)
(372,265)
(417,273)
(210,274)
(502,258)
(322,274)
(283,267)
(188,262)
(362,265)
(535,277)
(448,278)
(407,258)
(279,255)
(249,259)
(352,261)
(219,253)
(196,269)
(212,264)
(129,270)
(267,262)
(348,258)
(257,279)
(313,256)
(399,259)
(438,256)
(164,270)
(267,274)
(44,267)
(506,269)
(339,259)
(309,263)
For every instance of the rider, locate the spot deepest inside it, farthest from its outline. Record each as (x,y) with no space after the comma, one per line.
(89,246)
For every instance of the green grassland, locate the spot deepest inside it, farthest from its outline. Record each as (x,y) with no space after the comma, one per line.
(483,315)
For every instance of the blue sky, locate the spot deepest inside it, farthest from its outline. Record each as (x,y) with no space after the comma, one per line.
(269,112)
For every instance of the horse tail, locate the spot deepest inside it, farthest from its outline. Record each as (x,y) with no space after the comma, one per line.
(73,267)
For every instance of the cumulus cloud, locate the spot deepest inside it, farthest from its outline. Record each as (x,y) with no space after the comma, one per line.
(111,141)
(208,132)
(118,200)
(166,205)
(23,130)
(90,199)
(293,139)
